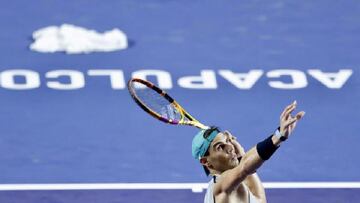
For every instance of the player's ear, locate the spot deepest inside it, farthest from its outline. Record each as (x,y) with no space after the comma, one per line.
(204,161)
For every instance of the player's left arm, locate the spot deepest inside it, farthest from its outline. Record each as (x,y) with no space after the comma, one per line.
(252,181)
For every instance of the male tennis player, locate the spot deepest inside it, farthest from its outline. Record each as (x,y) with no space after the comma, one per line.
(233,170)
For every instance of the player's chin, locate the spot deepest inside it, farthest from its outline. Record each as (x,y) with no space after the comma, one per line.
(234,162)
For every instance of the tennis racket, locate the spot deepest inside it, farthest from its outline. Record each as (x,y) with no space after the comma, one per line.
(159,104)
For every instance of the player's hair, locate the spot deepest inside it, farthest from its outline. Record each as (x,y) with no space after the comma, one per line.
(207,134)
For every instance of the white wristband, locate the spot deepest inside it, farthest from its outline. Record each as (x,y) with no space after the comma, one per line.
(278,135)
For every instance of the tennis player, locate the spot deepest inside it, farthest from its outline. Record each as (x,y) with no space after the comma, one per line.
(233,170)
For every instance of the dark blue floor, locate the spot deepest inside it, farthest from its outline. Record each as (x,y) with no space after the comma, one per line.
(175,196)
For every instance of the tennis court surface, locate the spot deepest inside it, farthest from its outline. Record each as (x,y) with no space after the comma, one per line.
(70,132)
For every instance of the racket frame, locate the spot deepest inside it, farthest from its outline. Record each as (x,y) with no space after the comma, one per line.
(184,114)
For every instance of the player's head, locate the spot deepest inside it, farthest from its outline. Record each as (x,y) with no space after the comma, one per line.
(214,150)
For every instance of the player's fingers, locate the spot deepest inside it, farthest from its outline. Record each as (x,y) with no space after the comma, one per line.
(290,122)
(287,115)
(287,108)
(292,127)
(293,106)
(229,135)
(300,115)
(288,112)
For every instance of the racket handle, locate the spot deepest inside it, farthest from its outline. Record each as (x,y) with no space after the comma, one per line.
(201,126)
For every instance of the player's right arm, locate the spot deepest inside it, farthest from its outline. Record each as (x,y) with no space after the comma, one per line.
(230,179)
(252,181)
(252,160)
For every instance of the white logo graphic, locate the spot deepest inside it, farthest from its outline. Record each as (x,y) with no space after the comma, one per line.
(206,80)
(76,40)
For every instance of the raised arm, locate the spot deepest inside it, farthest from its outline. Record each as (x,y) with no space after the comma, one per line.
(256,156)
(252,181)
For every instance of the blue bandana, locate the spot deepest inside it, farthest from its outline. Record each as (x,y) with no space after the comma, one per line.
(200,144)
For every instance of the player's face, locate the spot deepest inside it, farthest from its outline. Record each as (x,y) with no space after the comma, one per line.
(222,155)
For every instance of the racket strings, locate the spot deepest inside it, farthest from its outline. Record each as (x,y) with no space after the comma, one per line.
(155,102)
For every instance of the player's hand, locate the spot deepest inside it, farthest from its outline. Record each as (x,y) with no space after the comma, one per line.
(287,121)
(239,150)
